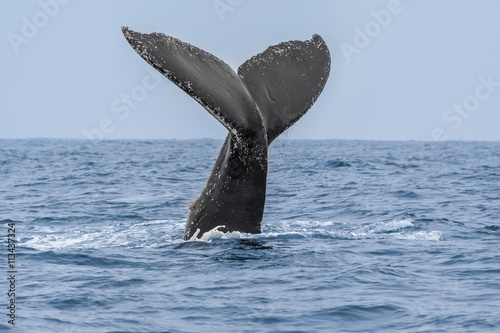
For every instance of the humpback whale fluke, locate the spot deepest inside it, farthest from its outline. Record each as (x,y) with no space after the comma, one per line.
(270,92)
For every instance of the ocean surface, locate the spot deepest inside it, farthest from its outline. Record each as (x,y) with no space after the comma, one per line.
(358,236)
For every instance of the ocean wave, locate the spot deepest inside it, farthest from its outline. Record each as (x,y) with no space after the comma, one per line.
(160,233)
(402,240)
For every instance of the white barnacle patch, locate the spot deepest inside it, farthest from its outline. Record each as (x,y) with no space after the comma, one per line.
(127,34)
(279,51)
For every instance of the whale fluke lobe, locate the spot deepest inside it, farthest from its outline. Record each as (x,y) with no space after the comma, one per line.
(285,80)
(209,80)
(270,92)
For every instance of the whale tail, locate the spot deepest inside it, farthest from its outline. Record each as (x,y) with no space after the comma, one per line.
(270,92)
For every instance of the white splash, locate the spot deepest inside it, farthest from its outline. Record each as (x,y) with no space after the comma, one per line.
(215,233)
(142,234)
(433,235)
(160,233)
(386,227)
(396,229)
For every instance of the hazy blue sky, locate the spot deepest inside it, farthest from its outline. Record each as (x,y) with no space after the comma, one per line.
(402,70)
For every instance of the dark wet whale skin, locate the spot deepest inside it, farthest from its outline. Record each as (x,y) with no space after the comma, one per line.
(270,92)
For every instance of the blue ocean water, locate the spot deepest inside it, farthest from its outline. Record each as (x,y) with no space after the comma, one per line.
(358,236)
